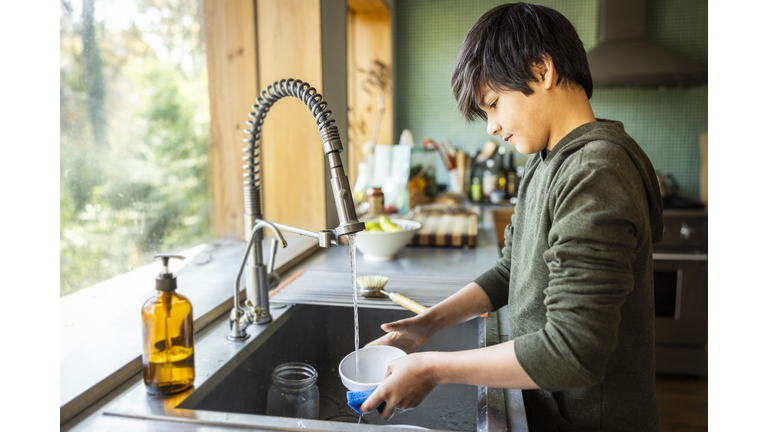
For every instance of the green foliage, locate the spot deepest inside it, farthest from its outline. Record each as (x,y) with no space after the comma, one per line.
(150,190)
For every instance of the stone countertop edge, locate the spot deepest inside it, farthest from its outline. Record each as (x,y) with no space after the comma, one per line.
(465,262)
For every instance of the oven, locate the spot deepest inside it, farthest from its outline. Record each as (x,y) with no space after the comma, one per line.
(680,276)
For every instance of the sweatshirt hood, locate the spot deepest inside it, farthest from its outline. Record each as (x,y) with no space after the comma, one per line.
(613,132)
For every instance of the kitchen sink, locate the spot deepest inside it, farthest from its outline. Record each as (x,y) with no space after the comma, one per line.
(321,336)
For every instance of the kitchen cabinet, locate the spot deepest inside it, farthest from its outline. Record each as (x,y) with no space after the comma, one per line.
(501,218)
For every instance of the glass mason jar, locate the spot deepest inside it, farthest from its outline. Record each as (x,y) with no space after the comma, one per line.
(294,392)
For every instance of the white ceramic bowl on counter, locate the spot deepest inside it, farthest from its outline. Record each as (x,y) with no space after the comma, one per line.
(384,245)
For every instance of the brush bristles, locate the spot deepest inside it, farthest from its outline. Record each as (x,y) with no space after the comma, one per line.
(377,282)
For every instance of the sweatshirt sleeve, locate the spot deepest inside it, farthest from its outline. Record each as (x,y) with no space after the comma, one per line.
(495,281)
(596,210)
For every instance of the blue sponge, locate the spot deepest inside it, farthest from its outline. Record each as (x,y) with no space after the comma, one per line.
(355,399)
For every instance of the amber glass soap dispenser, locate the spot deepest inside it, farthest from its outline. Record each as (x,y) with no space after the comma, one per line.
(169,357)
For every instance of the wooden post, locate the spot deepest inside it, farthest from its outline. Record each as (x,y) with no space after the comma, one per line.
(369,38)
(293,163)
(230,35)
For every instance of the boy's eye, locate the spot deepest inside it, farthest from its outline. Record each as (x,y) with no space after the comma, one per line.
(493,104)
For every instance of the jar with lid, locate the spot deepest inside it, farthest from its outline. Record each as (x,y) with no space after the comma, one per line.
(294,392)
(375,201)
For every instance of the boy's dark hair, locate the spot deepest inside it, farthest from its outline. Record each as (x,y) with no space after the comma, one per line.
(505,43)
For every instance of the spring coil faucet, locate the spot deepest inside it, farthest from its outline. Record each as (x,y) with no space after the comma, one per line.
(260,278)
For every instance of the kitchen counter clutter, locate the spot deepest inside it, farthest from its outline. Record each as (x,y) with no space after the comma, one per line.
(129,407)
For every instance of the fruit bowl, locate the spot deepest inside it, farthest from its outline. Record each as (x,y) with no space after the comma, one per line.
(384,245)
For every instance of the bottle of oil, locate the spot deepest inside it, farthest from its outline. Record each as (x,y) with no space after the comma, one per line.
(169,360)
(502,171)
(511,175)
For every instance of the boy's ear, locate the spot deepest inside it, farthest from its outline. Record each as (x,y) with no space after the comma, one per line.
(544,71)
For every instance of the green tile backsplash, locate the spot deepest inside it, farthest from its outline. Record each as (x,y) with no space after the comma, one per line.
(665,122)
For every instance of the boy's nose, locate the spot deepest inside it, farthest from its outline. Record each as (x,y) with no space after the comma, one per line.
(493,128)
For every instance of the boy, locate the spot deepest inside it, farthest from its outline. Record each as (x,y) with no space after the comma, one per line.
(576,270)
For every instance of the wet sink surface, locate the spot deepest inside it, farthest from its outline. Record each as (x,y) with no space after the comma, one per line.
(321,336)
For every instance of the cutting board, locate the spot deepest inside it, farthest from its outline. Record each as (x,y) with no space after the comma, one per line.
(442,229)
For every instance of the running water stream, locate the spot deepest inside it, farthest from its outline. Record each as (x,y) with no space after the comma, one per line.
(353,267)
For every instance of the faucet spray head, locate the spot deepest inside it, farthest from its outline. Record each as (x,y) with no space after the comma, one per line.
(342,196)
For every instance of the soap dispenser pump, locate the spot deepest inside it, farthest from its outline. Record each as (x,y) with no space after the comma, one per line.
(169,360)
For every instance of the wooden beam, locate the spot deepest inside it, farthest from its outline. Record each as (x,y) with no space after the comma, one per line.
(230,36)
(292,159)
(367,6)
(369,39)
(333,14)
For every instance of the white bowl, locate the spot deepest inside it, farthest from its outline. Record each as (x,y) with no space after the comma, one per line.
(384,245)
(373,365)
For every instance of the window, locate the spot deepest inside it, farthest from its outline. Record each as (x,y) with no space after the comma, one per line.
(134,170)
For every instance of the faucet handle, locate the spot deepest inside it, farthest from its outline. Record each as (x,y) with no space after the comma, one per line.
(273,253)
(252,307)
(254,311)
(327,238)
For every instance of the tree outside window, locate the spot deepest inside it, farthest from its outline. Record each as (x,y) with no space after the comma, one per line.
(135,176)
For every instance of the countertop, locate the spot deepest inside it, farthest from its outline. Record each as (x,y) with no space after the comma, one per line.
(213,350)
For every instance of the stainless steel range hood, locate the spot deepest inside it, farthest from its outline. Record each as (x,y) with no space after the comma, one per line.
(624,57)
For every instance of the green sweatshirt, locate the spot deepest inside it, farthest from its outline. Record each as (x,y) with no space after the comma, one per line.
(577,274)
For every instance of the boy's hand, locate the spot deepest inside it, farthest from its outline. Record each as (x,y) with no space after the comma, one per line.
(411,333)
(407,334)
(407,382)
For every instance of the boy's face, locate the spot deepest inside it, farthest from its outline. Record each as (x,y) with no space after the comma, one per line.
(520,120)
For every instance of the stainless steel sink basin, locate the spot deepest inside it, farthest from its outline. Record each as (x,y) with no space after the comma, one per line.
(321,336)
(233,379)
